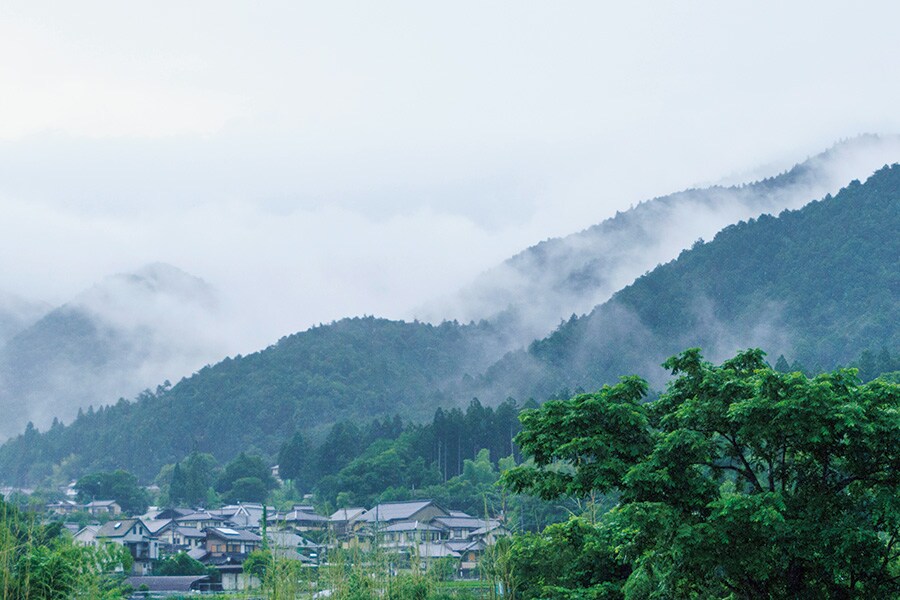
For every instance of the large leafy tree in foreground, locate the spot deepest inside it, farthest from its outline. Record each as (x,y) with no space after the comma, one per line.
(739,482)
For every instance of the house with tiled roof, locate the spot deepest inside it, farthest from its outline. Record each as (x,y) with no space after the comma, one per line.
(413,510)
(227,541)
(133,535)
(344,519)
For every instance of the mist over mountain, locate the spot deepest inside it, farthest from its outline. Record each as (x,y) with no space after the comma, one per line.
(554,279)
(355,369)
(129,332)
(17,314)
(820,285)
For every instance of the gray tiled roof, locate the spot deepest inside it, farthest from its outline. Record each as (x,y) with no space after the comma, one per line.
(226,533)
(395,511)
(410,526)
(465,522)
(347,514)
(168,583)
(109,529)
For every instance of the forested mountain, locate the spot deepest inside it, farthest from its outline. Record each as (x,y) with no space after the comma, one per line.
(124,334)
(820,285)
(558,277)
(355,368)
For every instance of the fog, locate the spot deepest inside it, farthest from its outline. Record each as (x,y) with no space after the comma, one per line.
(310,162)
(547,283)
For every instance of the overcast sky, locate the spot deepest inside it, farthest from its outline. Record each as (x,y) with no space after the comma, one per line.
(317,160)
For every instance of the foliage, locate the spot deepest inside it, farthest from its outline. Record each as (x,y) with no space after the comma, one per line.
(118,485)
(38,562)
(192,478)
(739,482)
(819,284)
(179,564)
(355,369)
(575,555)
(245,479)
(296,462)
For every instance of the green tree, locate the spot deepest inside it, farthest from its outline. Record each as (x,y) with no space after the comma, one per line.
(119,485)
(242,469)
(739,482)
(179,564)
(296,462)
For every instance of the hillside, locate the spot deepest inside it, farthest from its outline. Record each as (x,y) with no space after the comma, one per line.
(820,285)
(558,277)
(17,314)
(128,332)
(355,368)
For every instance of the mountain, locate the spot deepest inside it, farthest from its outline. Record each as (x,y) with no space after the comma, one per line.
(820,284)
(559,277)
(352,369)
(124,334)
(17,314)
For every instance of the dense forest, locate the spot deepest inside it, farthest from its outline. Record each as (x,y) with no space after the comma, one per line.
(819,285)
(354,369)
(575,273)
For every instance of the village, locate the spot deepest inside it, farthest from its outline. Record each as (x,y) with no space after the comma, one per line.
(415,534)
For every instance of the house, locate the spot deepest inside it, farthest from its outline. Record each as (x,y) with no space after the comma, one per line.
(460,528)
(414,510)
(469,552)
(234,579)
(66,507)
(174,538)
(344,519)
(286,544)
(243,514)
(169,584)
(103,507)
(299,520)
(86,536)
(201,520)
(222,541)
(490,533)
(408,534)
(134,535)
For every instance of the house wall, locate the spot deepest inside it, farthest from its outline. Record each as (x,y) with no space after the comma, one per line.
(236,582)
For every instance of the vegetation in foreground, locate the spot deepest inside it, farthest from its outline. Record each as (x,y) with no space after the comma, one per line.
(739,482)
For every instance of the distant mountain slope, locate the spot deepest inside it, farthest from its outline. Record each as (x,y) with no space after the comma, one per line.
(556,278)
(819,284)
(355,368)
(126,333)
(17,314)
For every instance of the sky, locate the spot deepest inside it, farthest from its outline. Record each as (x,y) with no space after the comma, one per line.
(318,160)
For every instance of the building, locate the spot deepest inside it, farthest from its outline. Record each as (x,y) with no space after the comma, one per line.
(134,535)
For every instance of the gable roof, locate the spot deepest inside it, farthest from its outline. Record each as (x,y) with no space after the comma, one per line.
(399,511)
(410,526)
(99,503)
(465,522)
(235,535)
(117,529)
(297,516)
(156,526)
(347,514)
(88,530)
(166,583)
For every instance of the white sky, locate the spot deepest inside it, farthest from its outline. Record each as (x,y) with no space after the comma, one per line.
(318,160)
